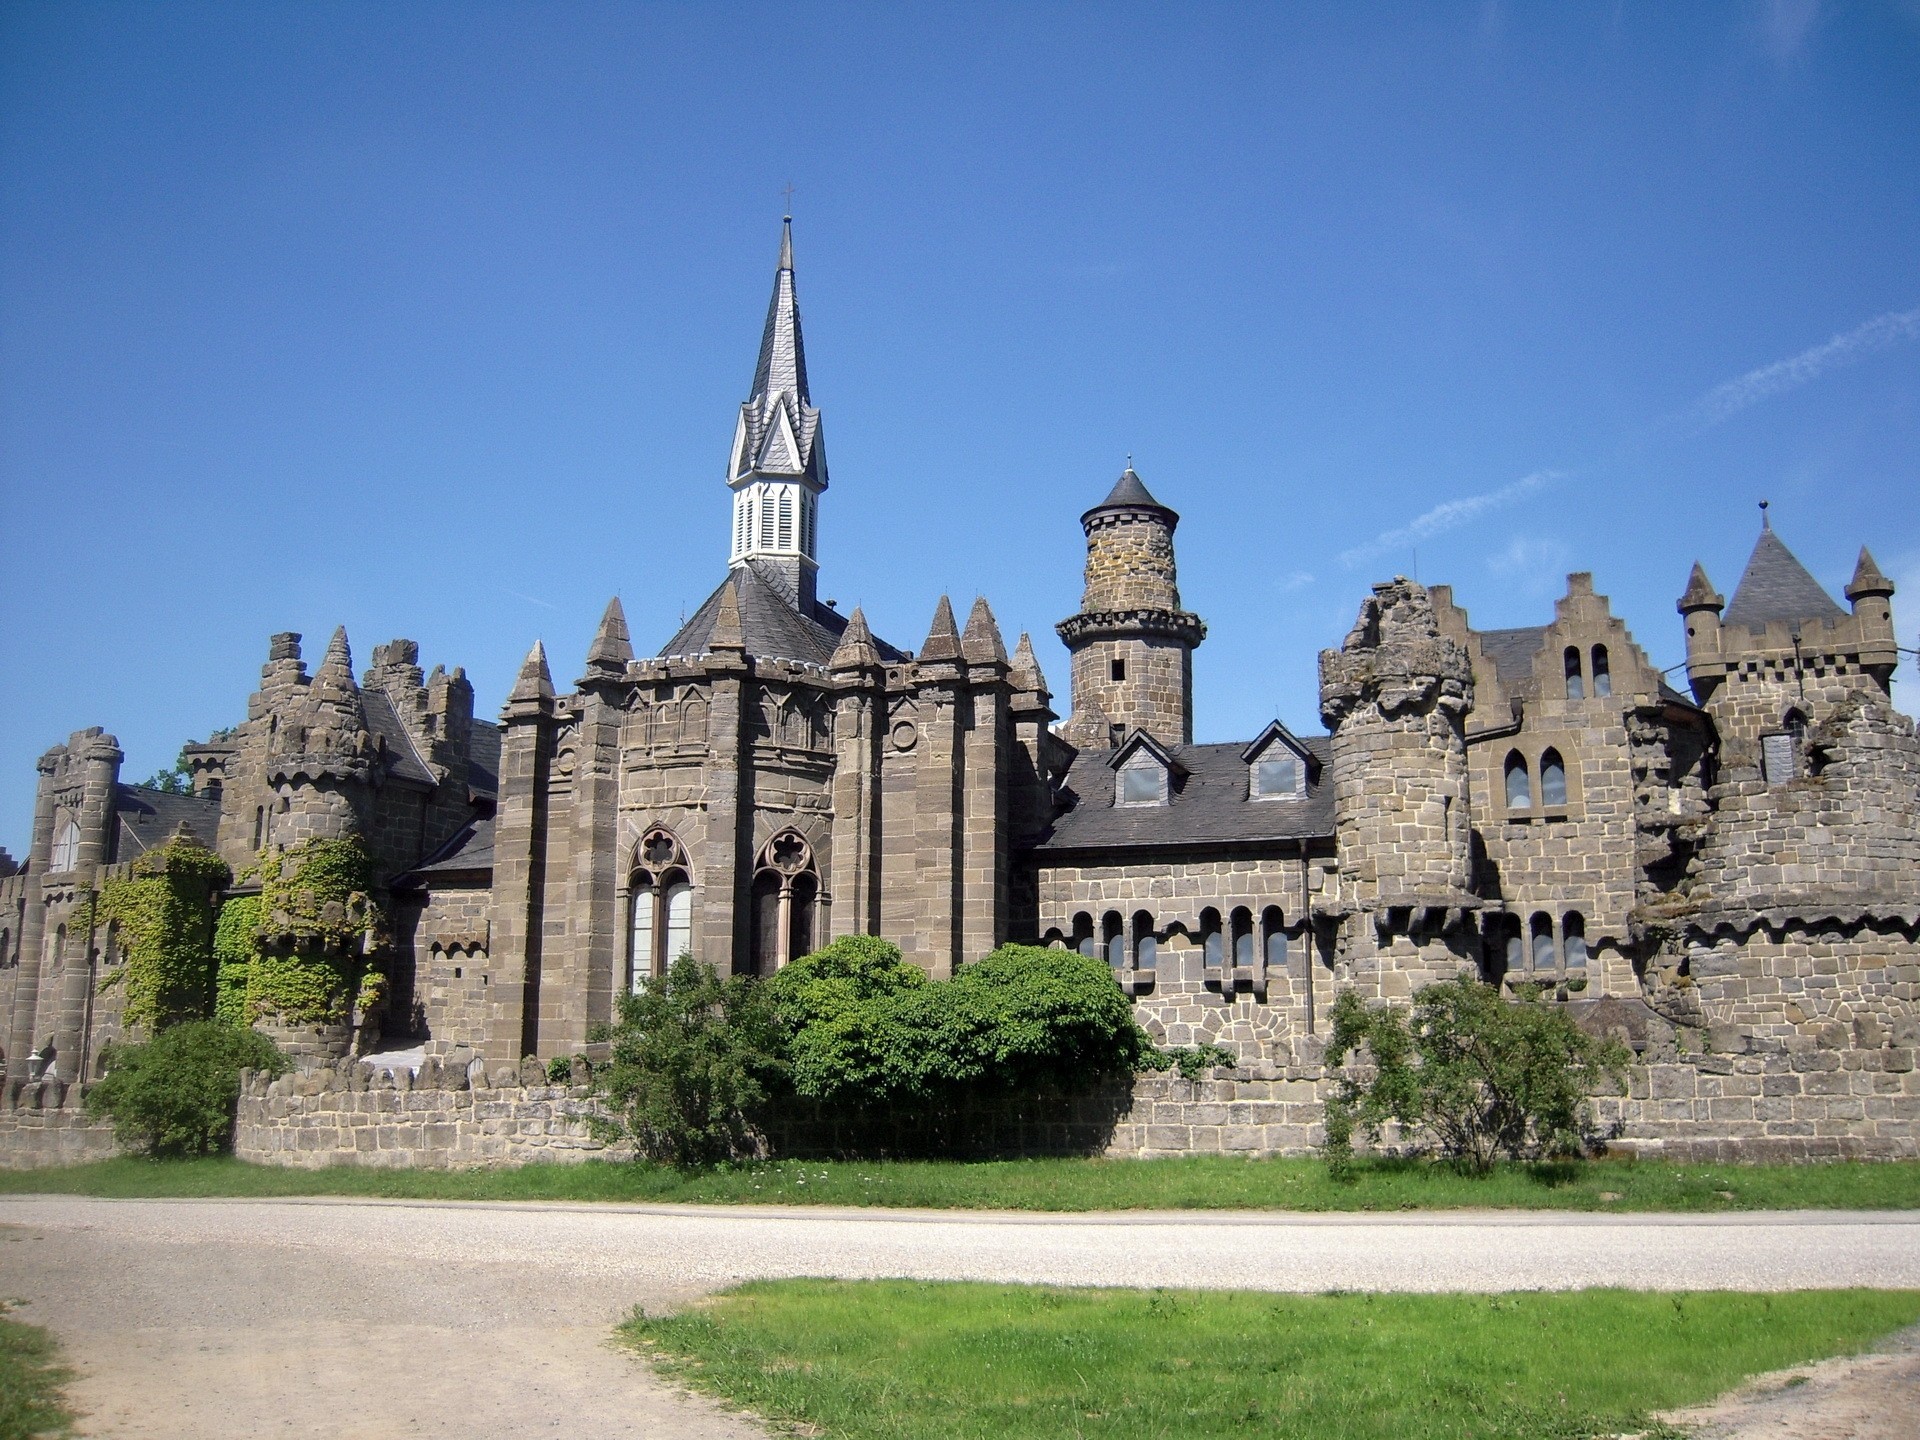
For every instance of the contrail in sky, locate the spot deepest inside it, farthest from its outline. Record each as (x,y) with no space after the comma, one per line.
(1443,518)
(1756,385)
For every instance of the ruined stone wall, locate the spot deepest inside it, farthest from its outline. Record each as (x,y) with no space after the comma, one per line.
(44,1125)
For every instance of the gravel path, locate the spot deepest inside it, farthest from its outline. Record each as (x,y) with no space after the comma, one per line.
(373,1318)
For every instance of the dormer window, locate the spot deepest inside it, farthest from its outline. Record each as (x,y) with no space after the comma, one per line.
(1143,783)
(1277,777)
(1279,765)
(1145,772)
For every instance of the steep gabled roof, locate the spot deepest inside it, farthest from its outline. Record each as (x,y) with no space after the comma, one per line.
(770,621)
(1776,586)
(145,818)
(1512,651)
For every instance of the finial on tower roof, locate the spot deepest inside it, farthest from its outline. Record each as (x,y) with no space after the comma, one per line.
(1765,523)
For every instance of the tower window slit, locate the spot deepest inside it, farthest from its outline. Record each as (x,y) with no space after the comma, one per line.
(786,519)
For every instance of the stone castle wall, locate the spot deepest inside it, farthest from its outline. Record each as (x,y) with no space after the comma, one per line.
(43,1125)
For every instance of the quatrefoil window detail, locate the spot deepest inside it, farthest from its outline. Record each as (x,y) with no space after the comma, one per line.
(657,849)
(788,853)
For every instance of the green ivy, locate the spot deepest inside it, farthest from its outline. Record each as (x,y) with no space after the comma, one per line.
(162,912)
(315,910)
(235,943)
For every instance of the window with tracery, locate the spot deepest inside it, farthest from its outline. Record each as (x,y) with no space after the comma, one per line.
(659,908)
(785,898)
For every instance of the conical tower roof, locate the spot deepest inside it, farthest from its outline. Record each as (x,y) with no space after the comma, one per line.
(779,429)
(1130,493)
(1776,586)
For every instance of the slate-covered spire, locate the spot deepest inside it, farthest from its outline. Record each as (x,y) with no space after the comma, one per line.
(612,648)
(1776,586)
(778,466)
(1700,594)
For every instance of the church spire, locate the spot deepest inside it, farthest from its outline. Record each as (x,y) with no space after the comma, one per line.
(779,466)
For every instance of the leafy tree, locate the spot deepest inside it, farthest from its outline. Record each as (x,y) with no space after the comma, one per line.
(175,781)
(862,1027)
(1482,1076)
(175,1094)
(692,1056)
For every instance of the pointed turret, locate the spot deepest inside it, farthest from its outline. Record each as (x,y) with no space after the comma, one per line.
(336,670)
(1024,671)
(536,680)
(612,648)
(779,466)
(1700,594)
(981,644)
(943,639)
(1867,580)
(856,649)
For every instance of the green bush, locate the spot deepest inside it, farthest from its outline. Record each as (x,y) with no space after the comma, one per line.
(691,1057)
(175,1094)
(1481,1076)
(864,1028)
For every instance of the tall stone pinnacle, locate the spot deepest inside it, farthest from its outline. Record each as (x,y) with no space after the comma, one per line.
(981,644)
(1025,669)
(943,640)
(727,633)
(536,680)
(856,647)
(337,668)
(1867,578)
(612,648)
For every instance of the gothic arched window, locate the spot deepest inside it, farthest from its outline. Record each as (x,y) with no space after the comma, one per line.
(659,908)
(786,892)
(1553,779)
(1576,688)
(1602,676)
(1519,783)
(66,847)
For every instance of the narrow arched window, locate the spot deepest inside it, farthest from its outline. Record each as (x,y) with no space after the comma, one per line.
(679,937)
(1519,783)
(1083,937)
(1543,943)
(1602,676)
(806,524)
(1243,951)
(786,517)
(259,825)
(1553,779)
(766,520)
(1212,947)
(66,848)
(1146,949)
(763,954)
(1576,688)
(641,945)
(1516,950)
(1275,942)
(800,917)
(1114,939)
(1573,940)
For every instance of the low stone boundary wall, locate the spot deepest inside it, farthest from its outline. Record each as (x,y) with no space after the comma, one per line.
(46,1124)
(1809,1104)
(444,1117)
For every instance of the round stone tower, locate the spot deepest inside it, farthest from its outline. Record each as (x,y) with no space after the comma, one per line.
(1394,697)
(1132,645)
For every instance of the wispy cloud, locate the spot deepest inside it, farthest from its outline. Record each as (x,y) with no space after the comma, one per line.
(1298,580)
(1787,24)
(1789,374)
(1443,518)
(533,600)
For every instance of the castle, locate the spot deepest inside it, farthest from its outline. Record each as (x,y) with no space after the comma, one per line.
(1535,805)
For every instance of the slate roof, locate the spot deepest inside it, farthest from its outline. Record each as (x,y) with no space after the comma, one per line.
(470,849)
(1776,586)
(1129,492)
(1209,807)
(770,621)
(483,759)
(1512,651)
(147,818)
(403,761)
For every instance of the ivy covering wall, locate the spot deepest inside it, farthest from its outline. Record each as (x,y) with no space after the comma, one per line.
(235,940)
(315,916)
(162,914)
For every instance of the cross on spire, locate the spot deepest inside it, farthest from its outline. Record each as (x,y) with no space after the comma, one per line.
(786,195)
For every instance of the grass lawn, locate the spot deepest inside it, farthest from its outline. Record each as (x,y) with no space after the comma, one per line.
(906,1359)
(30,1380)
(1187,1183)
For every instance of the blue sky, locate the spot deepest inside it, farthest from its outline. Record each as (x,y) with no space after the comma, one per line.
(432,320)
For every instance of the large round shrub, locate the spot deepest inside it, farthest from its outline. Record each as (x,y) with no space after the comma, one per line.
(175,1094)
